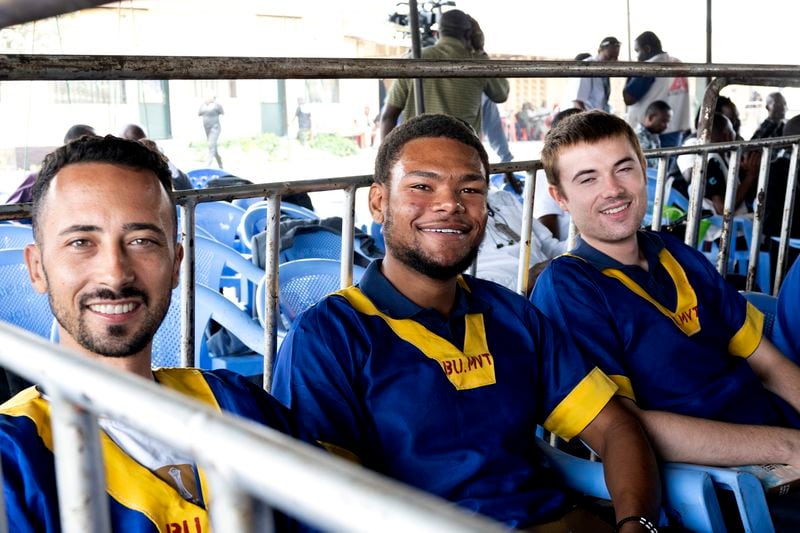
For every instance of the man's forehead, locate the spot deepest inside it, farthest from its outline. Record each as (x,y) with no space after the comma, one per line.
(430,148)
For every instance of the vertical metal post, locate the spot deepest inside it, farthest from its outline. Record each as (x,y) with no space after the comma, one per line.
(526,233)
(697,187)
(727,215)
(271,284)
(231,509)
(786,224)
(348,236)
(572,237)
(80,470)
(416,51)
(3,517)
(658,201)
(758,218)
(187,283)
(708,35)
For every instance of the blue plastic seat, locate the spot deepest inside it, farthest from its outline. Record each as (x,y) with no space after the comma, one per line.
(254,220)
(209,304)
(302,283)
(218,266)
(689,498)
(15,235)
(313,242)
(221,220)
(767,304)
(22,305)
(200,176)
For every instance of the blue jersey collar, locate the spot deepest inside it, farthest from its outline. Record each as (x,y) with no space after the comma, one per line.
(391,302)
(650,243)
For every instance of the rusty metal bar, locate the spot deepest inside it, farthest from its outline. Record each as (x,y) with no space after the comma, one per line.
(187,284)
(786,223)
(271,315)
(80,474)
(758,218)
(20,11)
(416,53)
(523,268)
(658,200)
(729,207)
(697,187)
(18,67)
(348,236)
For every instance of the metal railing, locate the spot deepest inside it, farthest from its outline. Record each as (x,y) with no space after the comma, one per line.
(246,463)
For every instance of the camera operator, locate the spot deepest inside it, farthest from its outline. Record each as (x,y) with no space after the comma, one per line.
(460,37)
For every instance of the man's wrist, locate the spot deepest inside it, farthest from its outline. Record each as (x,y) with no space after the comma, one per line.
(635,523)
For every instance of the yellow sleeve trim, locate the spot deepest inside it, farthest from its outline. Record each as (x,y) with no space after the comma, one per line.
(344,453)
(579,408)
(747,339)
(624,384)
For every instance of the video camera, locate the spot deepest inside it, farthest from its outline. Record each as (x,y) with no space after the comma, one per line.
(429,13)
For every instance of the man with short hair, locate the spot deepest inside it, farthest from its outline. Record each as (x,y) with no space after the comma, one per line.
(785,332)
(105,253)
(685,348)
(593,93)
(639,91)
(460,37)
(776,113)
(439,379)
(656,120)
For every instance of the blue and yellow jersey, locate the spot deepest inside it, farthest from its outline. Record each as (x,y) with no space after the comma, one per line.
(786,332)
(139,500)
(675,337)
(447,404)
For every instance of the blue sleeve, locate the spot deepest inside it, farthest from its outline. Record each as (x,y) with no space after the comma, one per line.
(237,395)
(637,87)
(579,309)
(316,375)
(29,484)
(786,333)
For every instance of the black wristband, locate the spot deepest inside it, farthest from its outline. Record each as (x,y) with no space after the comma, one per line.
(648,525)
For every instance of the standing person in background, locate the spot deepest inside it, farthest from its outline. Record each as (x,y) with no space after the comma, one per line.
(640,91)
(303,117)
(460,37)
(773,124)
(593,93)
(210,111)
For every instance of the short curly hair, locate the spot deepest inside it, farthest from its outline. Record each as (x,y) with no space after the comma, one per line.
(95,149)
(425,126)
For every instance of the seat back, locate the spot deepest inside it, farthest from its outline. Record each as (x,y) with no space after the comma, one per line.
(254,220)
(22,305)
(767,304)
(221,220)
(313,242)
(209,304)
(15,235)
(200,176)
(212,258)
(302,283)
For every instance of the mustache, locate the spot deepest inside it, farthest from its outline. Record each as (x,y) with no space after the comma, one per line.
(108,294)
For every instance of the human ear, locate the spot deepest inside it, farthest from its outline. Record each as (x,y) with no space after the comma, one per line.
(33,260)
(558,196)
(377,195)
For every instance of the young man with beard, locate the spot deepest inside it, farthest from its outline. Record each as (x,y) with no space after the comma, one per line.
(685,348)
(439,379)
(105,252)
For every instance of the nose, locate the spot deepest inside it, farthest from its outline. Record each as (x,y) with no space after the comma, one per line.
(115,267)
(448,201)
(612,186)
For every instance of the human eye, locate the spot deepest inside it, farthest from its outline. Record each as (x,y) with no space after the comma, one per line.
(78,243)
(420,187)
(144,242)
(587,180)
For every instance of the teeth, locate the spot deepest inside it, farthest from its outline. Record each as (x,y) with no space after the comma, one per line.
(112,309)
(615,210)
(445,230)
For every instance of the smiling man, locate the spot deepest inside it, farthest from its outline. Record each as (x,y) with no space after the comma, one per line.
(439,379)
(105,252)
(685,348)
